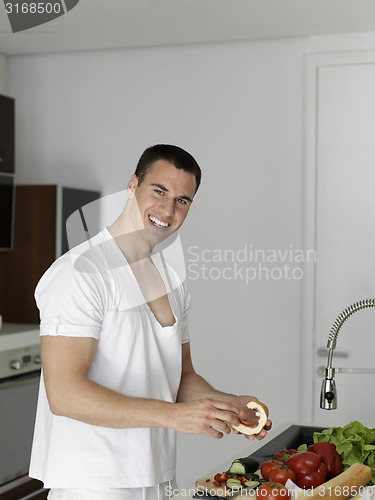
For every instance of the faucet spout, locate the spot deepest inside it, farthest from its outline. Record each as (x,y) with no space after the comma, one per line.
(328,394)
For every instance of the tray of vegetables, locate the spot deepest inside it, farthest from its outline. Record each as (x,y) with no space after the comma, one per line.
(302,461)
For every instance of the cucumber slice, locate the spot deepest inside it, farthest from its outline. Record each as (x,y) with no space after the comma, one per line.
(251,484)
(233,484)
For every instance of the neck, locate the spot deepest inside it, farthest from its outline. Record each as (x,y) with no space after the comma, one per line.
(133,242)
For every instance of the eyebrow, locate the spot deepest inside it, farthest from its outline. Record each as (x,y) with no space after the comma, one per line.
(163,188)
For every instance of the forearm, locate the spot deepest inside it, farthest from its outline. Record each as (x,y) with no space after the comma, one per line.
(89,402)
(193,387)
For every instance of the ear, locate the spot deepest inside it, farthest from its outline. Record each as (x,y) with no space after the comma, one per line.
(133,183)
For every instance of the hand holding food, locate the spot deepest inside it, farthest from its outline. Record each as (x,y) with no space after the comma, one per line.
(204,416)
(252,422)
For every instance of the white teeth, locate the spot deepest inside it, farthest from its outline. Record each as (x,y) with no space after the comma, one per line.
(158,222)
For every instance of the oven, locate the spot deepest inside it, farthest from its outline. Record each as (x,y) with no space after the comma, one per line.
(19,385)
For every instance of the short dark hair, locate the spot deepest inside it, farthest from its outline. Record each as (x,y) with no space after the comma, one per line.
(175,155)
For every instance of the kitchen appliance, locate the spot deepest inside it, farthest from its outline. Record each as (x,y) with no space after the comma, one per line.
(328,393)
(20,367)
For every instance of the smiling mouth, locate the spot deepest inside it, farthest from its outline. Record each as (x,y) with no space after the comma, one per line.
(156,222)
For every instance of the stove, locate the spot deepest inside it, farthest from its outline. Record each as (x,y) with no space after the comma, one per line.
(19,349)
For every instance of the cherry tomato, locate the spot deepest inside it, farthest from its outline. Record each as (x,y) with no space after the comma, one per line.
(281,474)
(283,455)
(267,466)
(272,491)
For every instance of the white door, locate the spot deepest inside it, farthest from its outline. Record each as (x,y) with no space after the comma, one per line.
(340,225)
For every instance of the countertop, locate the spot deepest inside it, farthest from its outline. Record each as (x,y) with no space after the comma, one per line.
(250,449)
(15,335)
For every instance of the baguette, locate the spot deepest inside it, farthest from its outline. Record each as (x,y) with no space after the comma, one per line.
(345,485)
(261,411)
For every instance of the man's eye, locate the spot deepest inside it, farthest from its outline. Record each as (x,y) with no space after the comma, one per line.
(158,191)
(180,200)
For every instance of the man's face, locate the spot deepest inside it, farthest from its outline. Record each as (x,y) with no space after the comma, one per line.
(164,198)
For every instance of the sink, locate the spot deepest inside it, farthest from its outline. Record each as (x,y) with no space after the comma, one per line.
(292,437)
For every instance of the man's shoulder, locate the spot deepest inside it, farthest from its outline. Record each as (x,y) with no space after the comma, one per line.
(87,258)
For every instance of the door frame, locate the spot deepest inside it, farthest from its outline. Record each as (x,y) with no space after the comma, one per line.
(312,64)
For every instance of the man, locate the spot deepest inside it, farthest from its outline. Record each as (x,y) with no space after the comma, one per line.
(118,379)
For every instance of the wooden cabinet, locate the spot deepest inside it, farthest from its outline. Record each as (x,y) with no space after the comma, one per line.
(7,142)
(40,216)
(33,252)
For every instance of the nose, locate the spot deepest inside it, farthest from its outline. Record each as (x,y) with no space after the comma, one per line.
(167,207)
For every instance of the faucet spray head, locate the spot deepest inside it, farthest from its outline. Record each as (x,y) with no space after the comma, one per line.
(328,396)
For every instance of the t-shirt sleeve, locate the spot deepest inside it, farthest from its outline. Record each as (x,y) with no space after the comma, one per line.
(70,301)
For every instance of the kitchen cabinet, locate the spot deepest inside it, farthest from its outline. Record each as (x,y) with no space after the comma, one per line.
(39,238)
(7,142)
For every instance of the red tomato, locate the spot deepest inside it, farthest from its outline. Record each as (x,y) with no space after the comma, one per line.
(272,491)
(281,474)
(283,455)
(267,466)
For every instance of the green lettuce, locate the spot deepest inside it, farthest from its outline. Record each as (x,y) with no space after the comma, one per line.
(353,444)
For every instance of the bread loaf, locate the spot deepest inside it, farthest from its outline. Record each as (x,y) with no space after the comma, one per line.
(345,485)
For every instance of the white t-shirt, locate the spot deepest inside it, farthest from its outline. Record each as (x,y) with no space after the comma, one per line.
(92,292)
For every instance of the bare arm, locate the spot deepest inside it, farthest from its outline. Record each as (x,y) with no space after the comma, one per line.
(193,387)
(66,363)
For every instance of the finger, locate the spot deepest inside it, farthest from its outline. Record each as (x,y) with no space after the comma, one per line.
(225,406)
(268,425)
(261,435)
(228,417)
(214,433)
(250,437)
(223,426)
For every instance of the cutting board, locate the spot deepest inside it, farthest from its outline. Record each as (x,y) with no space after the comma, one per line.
(220,491)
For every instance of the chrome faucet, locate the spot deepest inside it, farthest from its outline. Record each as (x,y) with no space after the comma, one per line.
(328,395)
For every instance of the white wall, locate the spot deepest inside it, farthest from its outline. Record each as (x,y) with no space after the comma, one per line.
(3,74)
(83,119)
